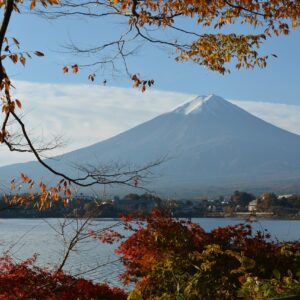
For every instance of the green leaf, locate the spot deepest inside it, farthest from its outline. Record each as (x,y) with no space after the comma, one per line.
(276,274)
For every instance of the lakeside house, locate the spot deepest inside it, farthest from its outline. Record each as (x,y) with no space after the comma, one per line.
(252,206)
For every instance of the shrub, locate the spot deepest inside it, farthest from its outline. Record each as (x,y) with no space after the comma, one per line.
(26,281)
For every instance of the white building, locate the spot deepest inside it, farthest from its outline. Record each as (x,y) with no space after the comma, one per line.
(252,206)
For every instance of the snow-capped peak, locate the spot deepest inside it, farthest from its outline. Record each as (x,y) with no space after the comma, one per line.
(198,104)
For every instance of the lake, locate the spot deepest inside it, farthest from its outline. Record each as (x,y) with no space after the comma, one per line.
(21,238)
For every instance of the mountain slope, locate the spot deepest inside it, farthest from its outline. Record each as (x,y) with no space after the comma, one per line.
(208,141)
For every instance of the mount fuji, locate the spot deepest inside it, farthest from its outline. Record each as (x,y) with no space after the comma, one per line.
(211,145)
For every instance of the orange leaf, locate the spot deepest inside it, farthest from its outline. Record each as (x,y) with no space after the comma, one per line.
(23,60)
(33,3)
(14,58)
(75,69)
(19,104)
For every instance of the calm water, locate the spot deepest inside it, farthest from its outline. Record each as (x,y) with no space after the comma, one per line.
(21,238)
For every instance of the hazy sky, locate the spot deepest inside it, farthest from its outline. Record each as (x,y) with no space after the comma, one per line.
(85,113)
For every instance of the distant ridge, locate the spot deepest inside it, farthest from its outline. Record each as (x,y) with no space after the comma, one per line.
(213,146)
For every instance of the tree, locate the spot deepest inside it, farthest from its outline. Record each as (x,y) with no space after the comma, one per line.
(168,258)
(266,201)
(214,49)
(241,198)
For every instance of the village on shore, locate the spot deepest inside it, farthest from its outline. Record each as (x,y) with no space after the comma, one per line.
(240,204)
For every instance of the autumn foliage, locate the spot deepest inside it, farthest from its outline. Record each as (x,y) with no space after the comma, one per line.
(206,42)
(26,281)
(176,259)
(166,259)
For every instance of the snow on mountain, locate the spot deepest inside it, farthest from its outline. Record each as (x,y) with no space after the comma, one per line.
(209,143)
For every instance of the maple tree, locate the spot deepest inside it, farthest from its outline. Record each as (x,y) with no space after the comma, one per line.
(176,259)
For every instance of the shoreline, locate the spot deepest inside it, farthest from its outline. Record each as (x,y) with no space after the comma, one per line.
(245,217)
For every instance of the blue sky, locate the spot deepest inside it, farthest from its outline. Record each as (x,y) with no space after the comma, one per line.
(278,83)
(85,113)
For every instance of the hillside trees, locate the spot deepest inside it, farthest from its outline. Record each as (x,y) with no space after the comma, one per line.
(207,44)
